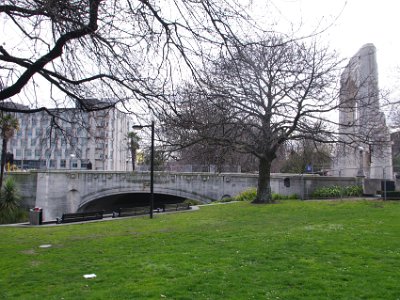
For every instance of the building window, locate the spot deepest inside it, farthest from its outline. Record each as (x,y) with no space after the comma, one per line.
(48,153)
(18,153)
(63,163)
(28,153)
(57,153)
(53,163)
(38,152)
(84,164)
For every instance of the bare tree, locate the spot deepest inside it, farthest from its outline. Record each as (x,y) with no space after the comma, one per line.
(257,96)
(308,156)
(115,51)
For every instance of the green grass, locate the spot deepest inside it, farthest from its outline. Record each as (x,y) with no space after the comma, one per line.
(290,250)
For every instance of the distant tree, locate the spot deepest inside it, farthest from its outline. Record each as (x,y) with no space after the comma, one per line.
(161,157)
(133,145)
(255,97)
(8,125)
(305,153)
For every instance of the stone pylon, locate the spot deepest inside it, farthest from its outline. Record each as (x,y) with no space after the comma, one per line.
(365,148)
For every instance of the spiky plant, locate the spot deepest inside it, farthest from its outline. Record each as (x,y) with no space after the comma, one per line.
(9,197)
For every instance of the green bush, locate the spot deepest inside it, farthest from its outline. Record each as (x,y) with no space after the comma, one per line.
(337,191)
(247,195)
(10,212)
(192,202)
(226,199)
(18,215)
(250,195)
(9,197)
(353,190)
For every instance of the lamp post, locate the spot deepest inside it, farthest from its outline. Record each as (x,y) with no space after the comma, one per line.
(360,172)
(138,127)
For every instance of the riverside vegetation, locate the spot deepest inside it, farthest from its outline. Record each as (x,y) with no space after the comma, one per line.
(291,250)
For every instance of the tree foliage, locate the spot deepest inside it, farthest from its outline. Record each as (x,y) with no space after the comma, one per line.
(9,198)
(8,124)
(133,145)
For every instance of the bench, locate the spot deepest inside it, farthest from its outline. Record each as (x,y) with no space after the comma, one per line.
(131,211)
(175,207)
(80,217)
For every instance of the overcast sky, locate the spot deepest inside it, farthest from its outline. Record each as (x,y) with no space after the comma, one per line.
(351,24)
(355,23)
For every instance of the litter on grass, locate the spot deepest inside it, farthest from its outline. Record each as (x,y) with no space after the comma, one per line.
(89,276)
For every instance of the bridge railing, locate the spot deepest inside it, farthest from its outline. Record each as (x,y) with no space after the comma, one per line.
(192,168)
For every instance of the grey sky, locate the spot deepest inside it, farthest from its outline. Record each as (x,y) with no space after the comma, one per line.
(355,23)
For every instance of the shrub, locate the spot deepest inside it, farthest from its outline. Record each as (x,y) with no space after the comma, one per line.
(226,199)
(247,195)
(353,190)
(337,191)
(9,197)
(250,195)
(10,212)
(18,215)
(192,202)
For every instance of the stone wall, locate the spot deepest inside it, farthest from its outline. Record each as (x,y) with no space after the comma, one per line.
(26,183)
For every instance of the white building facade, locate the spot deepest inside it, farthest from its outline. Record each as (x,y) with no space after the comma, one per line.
(71,139)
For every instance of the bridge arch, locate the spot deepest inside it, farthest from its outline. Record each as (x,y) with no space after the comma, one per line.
(110,199)
(63,191)
(58,192)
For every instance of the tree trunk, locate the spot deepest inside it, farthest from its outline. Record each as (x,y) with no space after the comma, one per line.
(264,182)
(133,159)
(3,160)
(133,154)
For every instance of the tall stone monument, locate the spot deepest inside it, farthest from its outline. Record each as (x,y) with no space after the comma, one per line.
(365,150)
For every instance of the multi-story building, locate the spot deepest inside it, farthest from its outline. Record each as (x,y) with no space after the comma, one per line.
(71,139)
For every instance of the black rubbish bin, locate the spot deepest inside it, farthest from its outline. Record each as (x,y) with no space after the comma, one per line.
(36,216)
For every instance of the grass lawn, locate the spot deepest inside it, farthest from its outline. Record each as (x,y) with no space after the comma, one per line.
(291,250)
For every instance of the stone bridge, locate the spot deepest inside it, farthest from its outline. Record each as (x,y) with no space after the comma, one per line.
(71,191)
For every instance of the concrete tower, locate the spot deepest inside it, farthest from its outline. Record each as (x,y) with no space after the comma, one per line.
(366,148)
